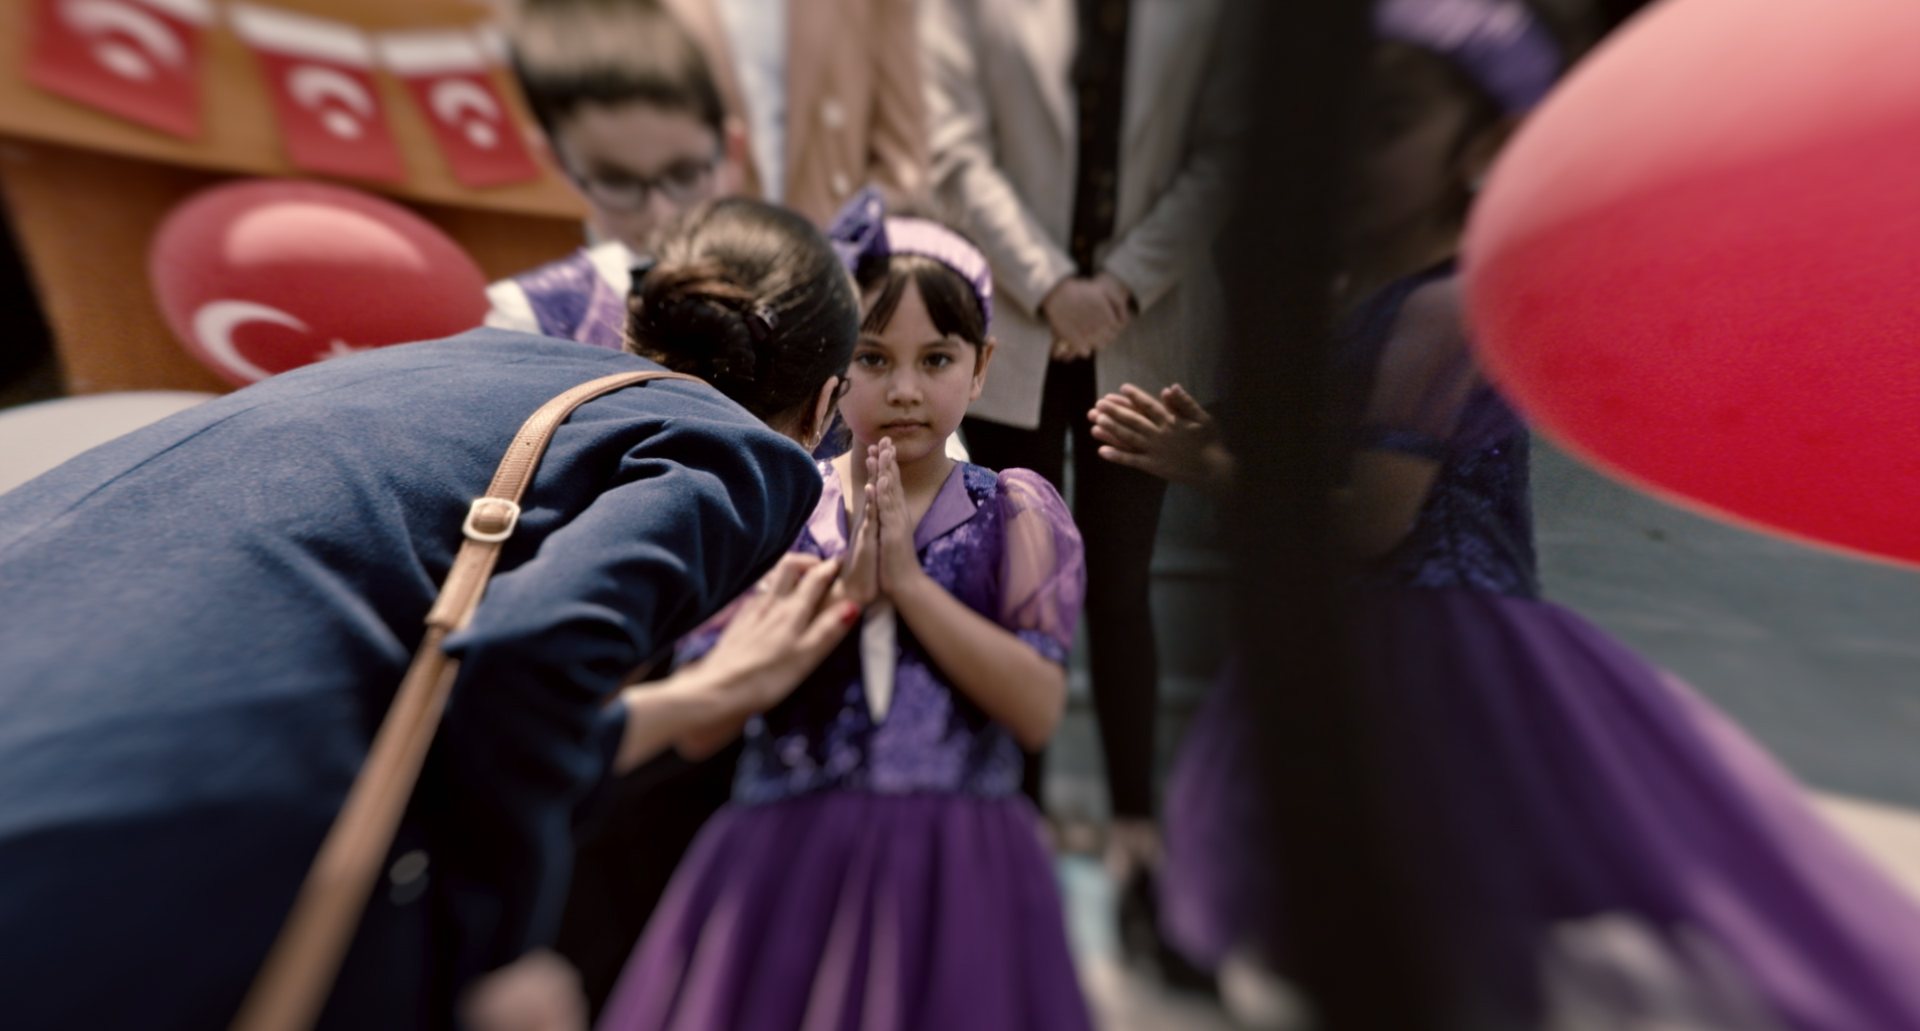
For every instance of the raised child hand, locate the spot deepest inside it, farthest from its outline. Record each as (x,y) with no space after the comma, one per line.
(1183,406)
(1169,436)
(860,576)
(899,566)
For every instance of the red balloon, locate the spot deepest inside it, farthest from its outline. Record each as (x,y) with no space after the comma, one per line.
(263,276)
(1696,265)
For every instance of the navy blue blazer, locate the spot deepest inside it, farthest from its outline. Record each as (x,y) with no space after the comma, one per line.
(202,623)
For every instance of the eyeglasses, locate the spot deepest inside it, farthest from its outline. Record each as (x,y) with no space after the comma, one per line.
(683,183)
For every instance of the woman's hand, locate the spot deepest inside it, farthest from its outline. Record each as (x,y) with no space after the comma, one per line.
(778,634)
(537,992)
(782,631)
(860,575)
(899,565)
(1169,436)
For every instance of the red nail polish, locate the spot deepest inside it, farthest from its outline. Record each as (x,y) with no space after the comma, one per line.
(850,614)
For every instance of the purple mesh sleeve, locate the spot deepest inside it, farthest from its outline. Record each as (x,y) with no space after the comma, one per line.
(1426,376)
(1043,569)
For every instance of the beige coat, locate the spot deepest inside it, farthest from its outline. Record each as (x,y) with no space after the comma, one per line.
(855,105)
(1000,104)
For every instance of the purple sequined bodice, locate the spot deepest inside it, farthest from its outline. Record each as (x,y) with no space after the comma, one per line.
(571,300)
(933,738)
(1476,528)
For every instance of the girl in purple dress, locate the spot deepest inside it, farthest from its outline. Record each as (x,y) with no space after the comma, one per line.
(879,866)
(1597,846)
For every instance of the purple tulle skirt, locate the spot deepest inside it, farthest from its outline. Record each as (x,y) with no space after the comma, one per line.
(847,910)
(1213,883)
(1594,838)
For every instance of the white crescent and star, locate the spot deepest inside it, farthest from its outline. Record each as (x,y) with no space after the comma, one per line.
(312,85)
(150,39)
(455,99)
(337,349)
(214,325)
(216,322)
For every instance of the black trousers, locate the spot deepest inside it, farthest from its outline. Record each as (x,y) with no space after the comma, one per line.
(1118,511)
(627,855)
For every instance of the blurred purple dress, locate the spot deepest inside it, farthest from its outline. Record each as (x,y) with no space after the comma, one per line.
(1598,844)
(883,874)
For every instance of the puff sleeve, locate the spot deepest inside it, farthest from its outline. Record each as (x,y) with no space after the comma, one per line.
(1043,574)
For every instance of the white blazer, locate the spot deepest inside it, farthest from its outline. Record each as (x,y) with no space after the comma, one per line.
(1002,117)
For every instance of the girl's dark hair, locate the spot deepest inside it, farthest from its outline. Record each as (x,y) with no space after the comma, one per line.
(568,53)
(950,301)
(750,298)
(1411,63)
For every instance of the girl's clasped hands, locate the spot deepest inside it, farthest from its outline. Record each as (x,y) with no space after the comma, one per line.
(881,561)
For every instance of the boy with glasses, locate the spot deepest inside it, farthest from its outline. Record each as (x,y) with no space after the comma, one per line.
(634,120)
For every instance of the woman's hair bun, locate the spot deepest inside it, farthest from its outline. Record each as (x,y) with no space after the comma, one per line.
(750,298)
(693,319)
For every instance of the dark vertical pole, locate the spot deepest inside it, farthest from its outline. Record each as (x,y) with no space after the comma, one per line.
(1613,12)
(27,342)
(1345,918)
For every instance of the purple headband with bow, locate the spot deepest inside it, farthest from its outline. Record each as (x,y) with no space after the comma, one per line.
(1499,44)
(862,230)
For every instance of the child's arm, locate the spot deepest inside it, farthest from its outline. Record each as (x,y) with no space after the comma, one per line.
(1005,675)
(1426,375)
(1381,501)
(1013,684)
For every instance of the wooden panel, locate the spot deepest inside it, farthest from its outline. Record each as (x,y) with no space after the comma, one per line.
(84,221)
(241,131)
(504,243)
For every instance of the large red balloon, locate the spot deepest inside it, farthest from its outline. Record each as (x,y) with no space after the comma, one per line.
(262,276)
(1698,264)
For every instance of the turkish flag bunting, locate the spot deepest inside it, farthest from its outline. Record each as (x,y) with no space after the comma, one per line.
(493,44)
(447,72)
(320,76)
(138,59)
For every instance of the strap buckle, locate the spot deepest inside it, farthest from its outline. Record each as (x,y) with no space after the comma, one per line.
(491,520)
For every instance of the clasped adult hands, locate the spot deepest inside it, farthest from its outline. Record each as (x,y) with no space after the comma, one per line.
(1086,314)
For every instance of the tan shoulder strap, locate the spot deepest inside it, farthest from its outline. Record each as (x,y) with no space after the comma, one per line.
(493,515)
(300,969)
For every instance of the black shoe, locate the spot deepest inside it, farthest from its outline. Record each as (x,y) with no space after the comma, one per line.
(1141,943)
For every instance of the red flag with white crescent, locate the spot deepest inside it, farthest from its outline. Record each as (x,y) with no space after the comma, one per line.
(447,73)
(320,73)
(138,59)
